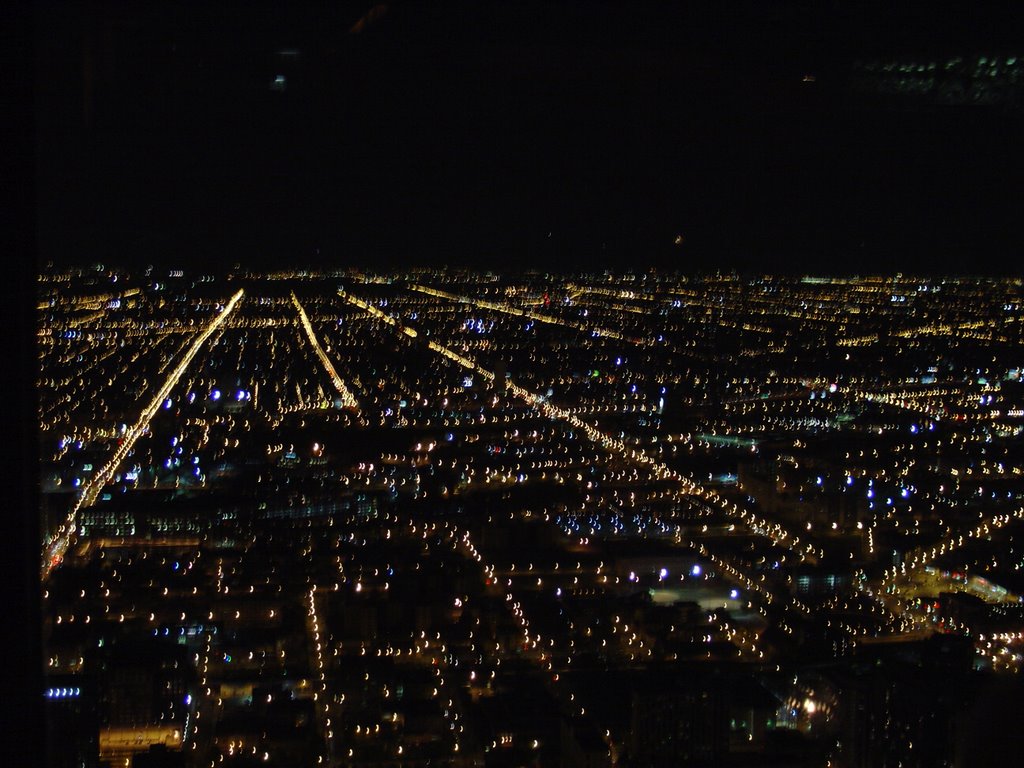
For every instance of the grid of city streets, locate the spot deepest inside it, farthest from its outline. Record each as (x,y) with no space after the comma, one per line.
(463,518)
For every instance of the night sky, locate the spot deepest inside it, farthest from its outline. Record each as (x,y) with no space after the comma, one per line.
(550,135)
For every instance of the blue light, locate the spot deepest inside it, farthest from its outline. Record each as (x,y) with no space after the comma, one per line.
(849,480)
(818,480)
(188,700)
(871,494)
(215,395)
(61,693)
(167,403)
(663,574)
(735,594)
(695,571)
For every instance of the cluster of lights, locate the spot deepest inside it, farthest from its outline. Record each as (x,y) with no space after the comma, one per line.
(62,693)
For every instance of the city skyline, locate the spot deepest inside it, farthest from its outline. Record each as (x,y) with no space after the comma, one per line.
(523,384)
(476,518)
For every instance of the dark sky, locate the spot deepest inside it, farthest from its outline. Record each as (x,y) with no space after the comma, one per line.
(525,134)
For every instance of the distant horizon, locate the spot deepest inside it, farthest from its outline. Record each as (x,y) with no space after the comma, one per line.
(636,271)
(789,138)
